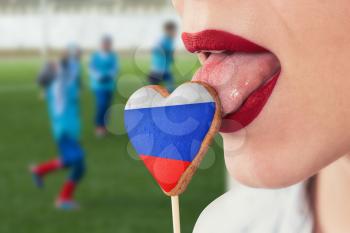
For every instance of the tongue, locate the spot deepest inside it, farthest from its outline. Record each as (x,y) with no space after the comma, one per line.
(236,76)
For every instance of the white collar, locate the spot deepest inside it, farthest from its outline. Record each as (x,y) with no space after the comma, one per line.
(248,210)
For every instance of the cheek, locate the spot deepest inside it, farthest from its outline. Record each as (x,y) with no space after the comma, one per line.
(311,24)
(278,153)
(301,130)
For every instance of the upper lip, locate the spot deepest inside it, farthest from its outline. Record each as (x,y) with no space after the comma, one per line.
(216,40)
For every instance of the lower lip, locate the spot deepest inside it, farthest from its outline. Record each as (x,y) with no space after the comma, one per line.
(250,109)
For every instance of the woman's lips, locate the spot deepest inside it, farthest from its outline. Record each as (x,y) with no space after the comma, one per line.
(236,76)
(219,41)
(243,73)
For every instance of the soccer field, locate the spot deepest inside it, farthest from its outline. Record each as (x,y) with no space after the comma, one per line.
(117,195)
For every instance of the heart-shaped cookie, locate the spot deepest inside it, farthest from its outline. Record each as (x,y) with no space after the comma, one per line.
(171,133)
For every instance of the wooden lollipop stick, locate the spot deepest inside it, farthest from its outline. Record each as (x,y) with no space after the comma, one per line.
(176,214)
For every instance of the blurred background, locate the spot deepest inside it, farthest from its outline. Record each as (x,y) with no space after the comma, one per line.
(117,194)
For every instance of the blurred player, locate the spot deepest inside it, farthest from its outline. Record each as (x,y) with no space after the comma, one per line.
(74,60)
(163,58)
(104,67)
(61,83)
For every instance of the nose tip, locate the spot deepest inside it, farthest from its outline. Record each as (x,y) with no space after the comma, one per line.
(179,5)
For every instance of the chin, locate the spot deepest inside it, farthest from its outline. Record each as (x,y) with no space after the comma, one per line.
(267,168)
(259,174)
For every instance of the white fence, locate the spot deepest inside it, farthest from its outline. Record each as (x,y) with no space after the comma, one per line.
(34,30)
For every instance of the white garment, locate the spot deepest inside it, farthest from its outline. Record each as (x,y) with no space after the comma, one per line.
(248,210)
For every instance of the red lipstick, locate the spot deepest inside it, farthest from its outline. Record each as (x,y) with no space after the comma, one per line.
(219,40)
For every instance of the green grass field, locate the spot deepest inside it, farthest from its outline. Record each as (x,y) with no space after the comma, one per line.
(117,195)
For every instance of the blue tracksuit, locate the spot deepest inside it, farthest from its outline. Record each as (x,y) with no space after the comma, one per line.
(162,60)
(104,68)
(75,68)
(62,96)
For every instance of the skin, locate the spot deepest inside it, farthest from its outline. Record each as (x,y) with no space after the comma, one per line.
(106,45)
(171,33)
(305,125)
(331,198)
